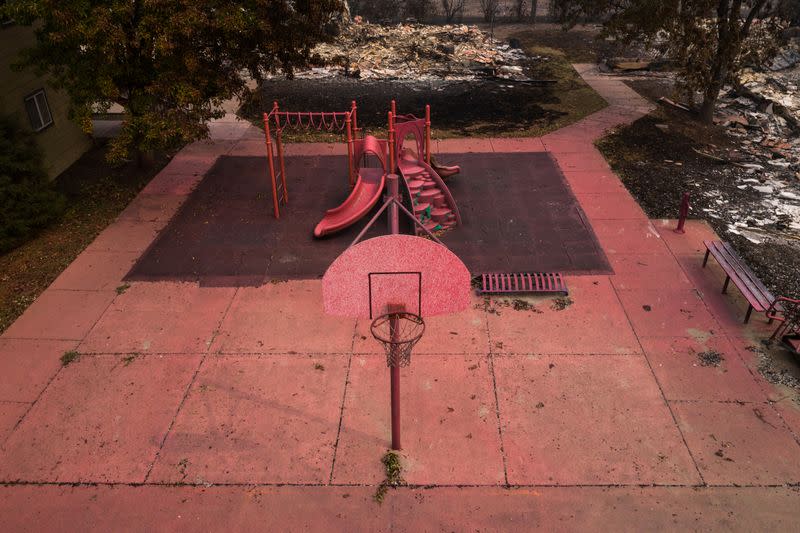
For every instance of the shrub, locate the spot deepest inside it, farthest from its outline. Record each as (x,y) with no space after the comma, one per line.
(28,200)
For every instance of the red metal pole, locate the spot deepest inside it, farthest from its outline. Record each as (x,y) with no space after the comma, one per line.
(394,108)
(391,142)
(350,171)
(395,386)
(428,134)
(393,188)
(354,112)
(684,212)
(276,209)
(279,145)
(394,377)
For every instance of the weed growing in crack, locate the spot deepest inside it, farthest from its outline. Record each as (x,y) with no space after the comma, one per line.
(69,357)
(394,478)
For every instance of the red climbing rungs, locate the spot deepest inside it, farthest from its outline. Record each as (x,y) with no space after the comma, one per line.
(523,282)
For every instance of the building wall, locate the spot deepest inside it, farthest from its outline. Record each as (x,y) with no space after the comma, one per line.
(63,142)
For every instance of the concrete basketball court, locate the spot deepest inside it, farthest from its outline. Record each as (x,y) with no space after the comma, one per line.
(200,407)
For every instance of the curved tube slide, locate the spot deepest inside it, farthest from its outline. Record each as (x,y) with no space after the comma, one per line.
(365,194)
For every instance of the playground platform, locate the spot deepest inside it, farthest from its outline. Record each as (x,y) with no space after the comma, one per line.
(198,407)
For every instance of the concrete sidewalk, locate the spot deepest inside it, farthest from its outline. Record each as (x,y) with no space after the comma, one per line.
(208,408)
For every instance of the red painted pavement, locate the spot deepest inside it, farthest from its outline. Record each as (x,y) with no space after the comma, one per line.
(102,419)
(448,419)
(257,420)
(120,508)
(267,414)
(27,366)
(606,421)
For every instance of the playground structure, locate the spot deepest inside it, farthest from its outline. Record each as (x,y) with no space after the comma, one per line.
(366,192)
(423,183)
(331,121)
(431,200)
(395,280)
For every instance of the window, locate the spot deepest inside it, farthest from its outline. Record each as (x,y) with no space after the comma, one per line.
(38,110)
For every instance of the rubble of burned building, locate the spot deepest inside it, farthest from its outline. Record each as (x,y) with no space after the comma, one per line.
(762,112)
(417,52)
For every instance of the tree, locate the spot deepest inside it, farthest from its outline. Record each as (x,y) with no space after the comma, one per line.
(790,10)
(705,38)
(490,9)
(520,7)
(534,10)
(452,9)
(28,200)
(168,63)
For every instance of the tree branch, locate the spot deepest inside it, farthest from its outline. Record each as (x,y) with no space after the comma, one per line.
(751,17)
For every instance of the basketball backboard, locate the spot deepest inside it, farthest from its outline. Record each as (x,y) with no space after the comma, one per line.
(422,276)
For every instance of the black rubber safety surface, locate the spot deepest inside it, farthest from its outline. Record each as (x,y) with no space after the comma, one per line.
(518,215)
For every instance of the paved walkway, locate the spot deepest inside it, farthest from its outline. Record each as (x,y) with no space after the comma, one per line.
(200,408)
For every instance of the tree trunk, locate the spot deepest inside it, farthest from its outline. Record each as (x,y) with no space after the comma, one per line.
(719,73)
(144,158)
(534,9)
(722,58)
(707,108)
(730,38)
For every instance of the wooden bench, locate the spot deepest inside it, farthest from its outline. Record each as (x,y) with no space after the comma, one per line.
(757,295)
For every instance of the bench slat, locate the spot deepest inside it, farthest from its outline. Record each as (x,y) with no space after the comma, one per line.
(750,286)
(757,289)
(756,285)
(743,281)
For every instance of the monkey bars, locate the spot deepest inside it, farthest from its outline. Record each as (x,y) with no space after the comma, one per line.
(277,121)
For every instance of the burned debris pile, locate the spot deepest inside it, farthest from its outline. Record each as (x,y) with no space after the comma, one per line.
(762,111)
(418,52)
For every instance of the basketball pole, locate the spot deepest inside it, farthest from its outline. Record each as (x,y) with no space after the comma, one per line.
(394,377)
(394,370)
(393,189)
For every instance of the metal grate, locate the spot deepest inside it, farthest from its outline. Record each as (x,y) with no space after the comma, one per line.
(523,282)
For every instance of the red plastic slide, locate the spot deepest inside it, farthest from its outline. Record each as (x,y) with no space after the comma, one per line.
(366,192)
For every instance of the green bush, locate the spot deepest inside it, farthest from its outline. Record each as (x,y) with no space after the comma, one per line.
(28,199)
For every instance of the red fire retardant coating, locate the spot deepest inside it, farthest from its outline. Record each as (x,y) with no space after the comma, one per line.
(394,260)
(365,194)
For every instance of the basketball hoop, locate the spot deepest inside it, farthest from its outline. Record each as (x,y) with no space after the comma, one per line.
(399,279)
(398,333)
